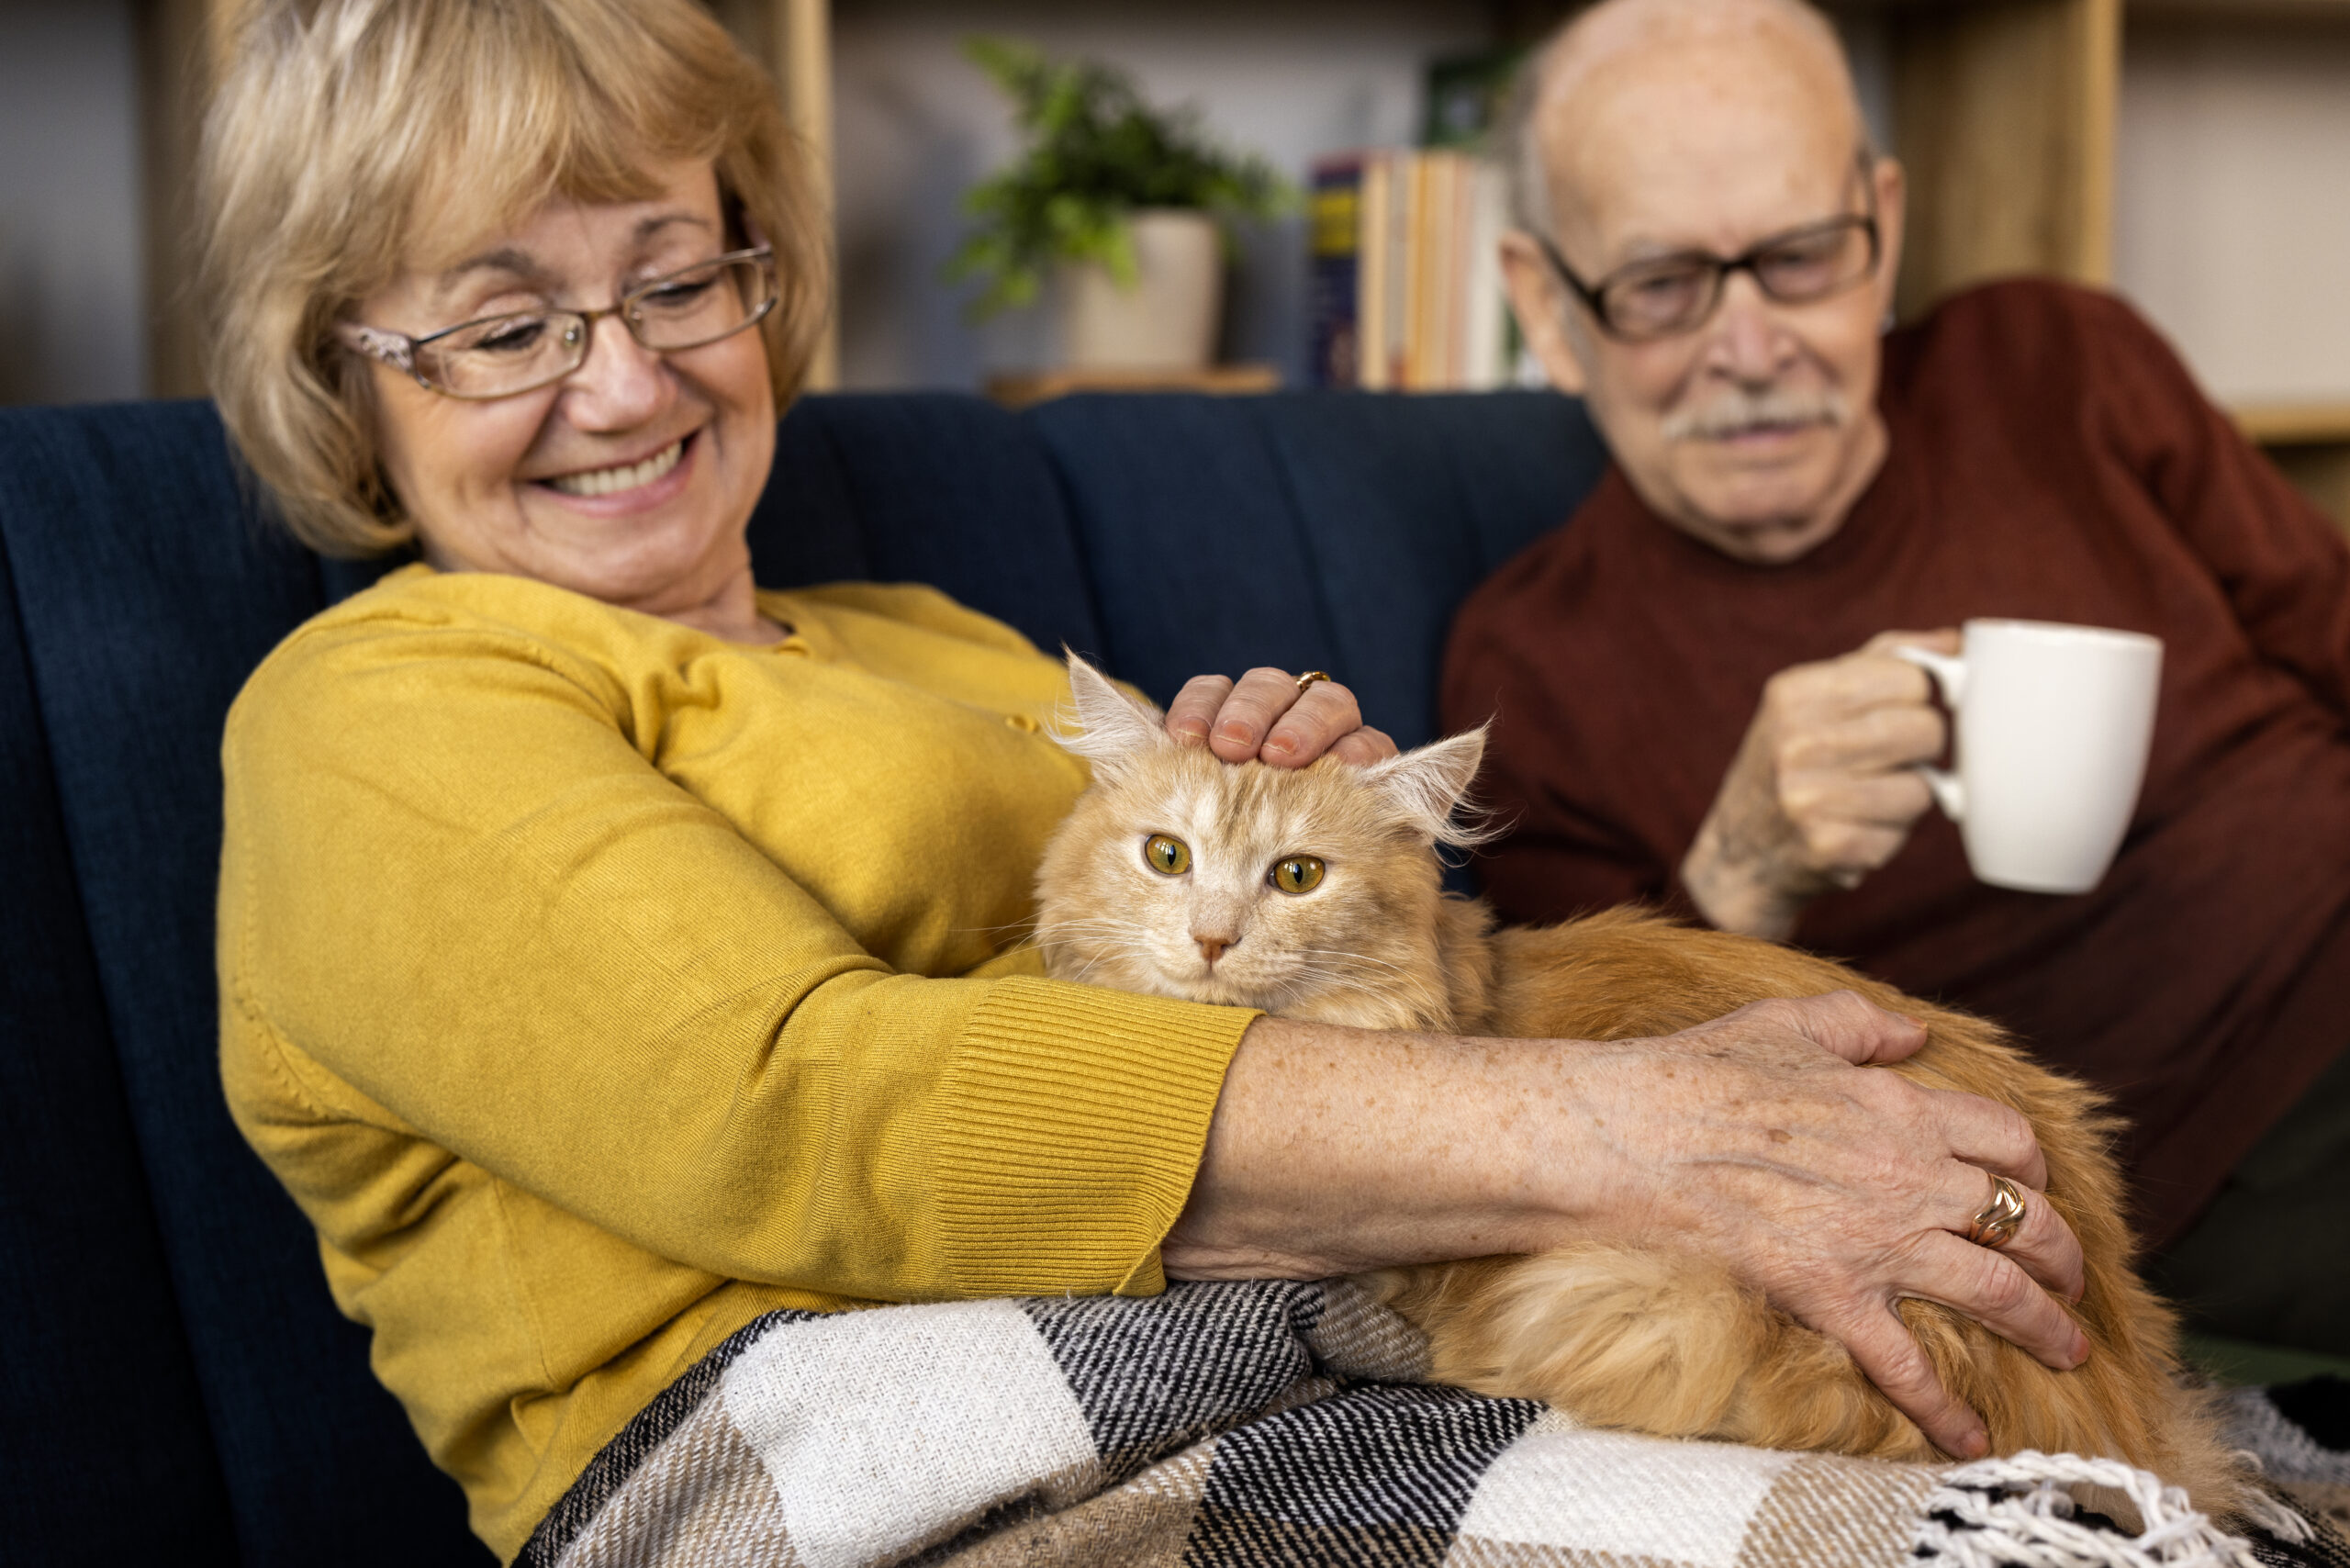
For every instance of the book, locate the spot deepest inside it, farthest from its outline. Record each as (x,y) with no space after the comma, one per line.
(1333,245)
(1411,299)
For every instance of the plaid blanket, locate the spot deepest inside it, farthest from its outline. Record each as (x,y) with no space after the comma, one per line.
(1271,1423)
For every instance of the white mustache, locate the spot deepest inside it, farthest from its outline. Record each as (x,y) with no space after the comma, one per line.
(1736,412)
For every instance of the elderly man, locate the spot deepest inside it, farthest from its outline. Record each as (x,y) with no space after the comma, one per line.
(1706,254)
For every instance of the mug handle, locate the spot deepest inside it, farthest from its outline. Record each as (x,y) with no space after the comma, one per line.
(1949,674)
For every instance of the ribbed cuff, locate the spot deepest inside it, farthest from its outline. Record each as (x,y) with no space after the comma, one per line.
(1073,1125)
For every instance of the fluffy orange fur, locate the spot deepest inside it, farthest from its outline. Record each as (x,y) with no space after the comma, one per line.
(1643,1340)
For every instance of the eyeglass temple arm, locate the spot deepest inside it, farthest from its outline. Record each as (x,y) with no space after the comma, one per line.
(1583,291)
(392,348)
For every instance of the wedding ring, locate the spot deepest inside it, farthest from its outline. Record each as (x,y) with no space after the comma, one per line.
(1309,678)
(2001,1218)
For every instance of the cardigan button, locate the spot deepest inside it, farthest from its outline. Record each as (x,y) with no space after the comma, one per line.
(1021,721)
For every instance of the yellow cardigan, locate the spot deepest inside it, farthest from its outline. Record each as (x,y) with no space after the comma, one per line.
(592,983)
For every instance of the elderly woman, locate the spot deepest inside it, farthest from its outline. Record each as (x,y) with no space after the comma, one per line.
(611,951)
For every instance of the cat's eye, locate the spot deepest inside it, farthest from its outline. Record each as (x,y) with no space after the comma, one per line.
(1297,873)
(1171,857)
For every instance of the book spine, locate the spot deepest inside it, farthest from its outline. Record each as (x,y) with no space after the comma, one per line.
(1487,326)
(1336,230)
(1461,196)
(1374,291)
(1422,232)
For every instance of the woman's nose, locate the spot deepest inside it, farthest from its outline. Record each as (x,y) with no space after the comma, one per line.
(620,383)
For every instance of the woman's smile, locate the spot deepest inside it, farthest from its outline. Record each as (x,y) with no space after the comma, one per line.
(638,484)
(622,478)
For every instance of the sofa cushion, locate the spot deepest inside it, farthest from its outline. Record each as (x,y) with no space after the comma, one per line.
(931,487)
(1310,531)
(147,591)
(99,1387)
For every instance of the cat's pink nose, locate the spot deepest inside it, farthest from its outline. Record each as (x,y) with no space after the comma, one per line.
(1211,947)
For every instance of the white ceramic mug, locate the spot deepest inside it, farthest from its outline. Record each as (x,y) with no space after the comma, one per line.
(2054,723)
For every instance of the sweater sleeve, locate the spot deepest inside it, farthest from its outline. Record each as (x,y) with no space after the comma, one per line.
(2285,568)
(460,904)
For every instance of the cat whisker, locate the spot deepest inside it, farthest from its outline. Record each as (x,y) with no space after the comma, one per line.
(1354,957)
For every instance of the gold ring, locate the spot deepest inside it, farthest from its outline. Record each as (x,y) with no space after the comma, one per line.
(1309,678)
(2001,1218)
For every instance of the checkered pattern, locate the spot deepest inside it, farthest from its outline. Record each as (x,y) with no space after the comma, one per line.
(1260,1423)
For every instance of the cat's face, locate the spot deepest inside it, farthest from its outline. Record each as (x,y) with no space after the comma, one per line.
(1310,892)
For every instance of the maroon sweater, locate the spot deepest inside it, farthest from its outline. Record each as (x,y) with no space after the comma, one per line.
(2050,459)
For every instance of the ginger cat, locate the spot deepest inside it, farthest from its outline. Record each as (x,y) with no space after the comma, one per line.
(1321,887)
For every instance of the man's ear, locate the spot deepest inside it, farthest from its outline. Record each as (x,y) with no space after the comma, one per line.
(1112,728)
(1539,300)
(1428,784)
(1892,194)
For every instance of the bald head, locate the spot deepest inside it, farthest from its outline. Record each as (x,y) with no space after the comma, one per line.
(1631,66)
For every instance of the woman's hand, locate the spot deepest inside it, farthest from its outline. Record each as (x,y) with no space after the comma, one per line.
(1264,716)
(1760,1139)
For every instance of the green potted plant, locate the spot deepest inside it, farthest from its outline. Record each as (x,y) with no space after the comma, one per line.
(1129,204)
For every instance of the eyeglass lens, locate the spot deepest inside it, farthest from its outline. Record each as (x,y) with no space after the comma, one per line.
(1677,293)
(505,354)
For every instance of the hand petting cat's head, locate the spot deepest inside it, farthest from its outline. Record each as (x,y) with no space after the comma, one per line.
(1311,892)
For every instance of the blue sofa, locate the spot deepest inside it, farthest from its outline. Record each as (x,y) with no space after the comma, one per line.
(178,1384)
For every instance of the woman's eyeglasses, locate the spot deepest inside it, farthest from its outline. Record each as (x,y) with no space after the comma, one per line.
(1668,294)
(499,356)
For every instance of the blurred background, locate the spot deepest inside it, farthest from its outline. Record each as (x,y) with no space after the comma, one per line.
(2194,155)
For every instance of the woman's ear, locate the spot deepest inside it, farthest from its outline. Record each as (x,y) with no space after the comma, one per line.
(1428,785)
(1112,728)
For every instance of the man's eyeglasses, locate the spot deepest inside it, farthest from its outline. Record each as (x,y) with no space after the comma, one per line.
(499,356)
(1666,295)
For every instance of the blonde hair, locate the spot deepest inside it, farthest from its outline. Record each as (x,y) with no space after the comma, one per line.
(347,131)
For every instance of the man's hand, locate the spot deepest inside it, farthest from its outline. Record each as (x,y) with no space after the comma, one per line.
(1264,716)
(1824,787)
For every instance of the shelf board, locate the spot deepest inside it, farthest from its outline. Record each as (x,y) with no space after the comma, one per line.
(1019,391)
(2244,10)
(2294,424)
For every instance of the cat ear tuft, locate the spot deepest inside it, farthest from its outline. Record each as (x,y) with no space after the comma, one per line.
(1429,786)
(1110,726)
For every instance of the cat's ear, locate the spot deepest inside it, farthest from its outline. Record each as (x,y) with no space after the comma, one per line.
(1111,727)
(1429,786)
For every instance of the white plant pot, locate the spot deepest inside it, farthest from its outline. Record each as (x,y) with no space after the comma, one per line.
(1167,320)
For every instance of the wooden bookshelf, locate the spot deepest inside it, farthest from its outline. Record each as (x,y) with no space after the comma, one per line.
(2005,114)
(2295,424)
(2309,442)
(2004,118)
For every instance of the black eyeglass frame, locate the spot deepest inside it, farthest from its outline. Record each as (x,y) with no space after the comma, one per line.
(400,352)
(1594,294)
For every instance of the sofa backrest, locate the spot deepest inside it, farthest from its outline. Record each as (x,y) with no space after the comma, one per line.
(178,1381)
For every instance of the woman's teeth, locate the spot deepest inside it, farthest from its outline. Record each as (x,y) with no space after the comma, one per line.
(611,481)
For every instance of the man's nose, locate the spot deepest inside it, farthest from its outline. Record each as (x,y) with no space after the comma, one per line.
(1749,342)
(620,383)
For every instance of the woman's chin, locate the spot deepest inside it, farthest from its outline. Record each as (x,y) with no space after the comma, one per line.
(655,559)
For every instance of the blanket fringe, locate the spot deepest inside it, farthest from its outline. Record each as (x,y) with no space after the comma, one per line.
(2017,1512)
